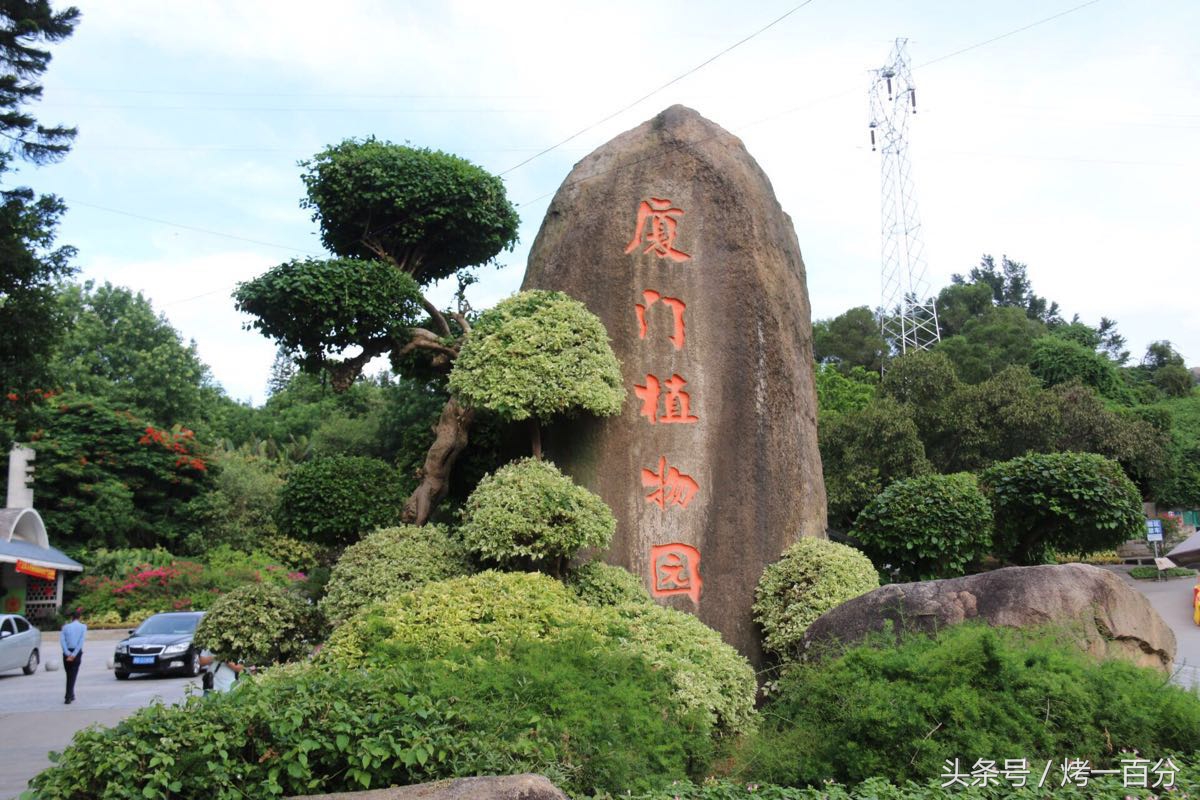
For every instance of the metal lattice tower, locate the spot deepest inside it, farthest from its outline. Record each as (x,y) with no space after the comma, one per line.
(908,315)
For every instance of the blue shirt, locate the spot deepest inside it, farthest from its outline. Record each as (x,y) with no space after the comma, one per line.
(71,638)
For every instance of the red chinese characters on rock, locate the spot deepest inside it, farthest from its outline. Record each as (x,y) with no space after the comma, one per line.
(657,226)
(677,307)
(676,406)
(671,487)
(676,571)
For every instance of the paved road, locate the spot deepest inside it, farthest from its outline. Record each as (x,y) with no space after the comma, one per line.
(1172,599)
(34,719)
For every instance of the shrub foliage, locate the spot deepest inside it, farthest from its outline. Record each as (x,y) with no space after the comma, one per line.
(600,584)
(899,712)
(704,672)
(590,718)
(387,562)
(336,500)
(529,512)
(1070,502)
(812,577)
(258,624)
(932,526)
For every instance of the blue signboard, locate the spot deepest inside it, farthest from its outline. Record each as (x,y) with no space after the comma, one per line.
(1154,532)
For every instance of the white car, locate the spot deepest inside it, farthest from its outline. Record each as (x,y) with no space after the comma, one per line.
(20,644)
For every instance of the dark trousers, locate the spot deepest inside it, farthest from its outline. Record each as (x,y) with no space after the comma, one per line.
(72,669)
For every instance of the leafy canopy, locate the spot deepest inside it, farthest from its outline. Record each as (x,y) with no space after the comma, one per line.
(535,355)
(320,307)
(1070,502)
(259,624)
(429,212)
(932,526)
(336,500)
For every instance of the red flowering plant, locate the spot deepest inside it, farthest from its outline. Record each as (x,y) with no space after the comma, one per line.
(180,585)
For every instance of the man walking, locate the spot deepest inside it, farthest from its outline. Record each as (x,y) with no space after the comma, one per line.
(71,640)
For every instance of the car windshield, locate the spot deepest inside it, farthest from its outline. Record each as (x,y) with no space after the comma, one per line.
(166,624)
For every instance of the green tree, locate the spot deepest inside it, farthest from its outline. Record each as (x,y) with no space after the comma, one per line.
(536,355)
(863,452)
(30,263)
(851,339)
(337,500)
(397,218)
(1011,288)
(1058,359)
(106,477)
(840,394)
(1072,502)
(1002,337)
(959,303)
(932,526)
(117,347)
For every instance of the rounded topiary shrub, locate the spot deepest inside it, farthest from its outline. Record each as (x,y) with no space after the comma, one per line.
(1070,502)
(594,721)
(387,562)
(899,710)
(600,584)
(812,577)
(933,526)
(504,607)
(259,624)
(536,355)
(528,512)
(336,500)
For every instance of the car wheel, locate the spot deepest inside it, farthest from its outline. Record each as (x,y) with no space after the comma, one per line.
(31,665)
(121,676)
(193,667)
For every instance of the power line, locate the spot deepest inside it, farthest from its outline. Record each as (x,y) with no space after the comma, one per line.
(187,227)
(650,94)
(807,104)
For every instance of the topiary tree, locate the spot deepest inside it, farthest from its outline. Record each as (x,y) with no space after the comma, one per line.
(932,526)
(600,584)
(335,500)
(387,562)
(812,577)
(259,624)
(529,513)
(509,607)
(536,355)
(397,218)
(1071,502)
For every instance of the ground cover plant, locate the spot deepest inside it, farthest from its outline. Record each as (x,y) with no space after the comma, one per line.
(589,717)
(882,710)
(1152,573)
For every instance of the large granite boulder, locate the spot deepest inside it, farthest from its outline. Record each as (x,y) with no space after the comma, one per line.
(1094,607)
(508,787)
(672,235)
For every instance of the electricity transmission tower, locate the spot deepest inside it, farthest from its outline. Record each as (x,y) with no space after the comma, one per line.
(909,319)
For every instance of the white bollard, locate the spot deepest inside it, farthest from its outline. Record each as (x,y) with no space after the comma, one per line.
(51,666)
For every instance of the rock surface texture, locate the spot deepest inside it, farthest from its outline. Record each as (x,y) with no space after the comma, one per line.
(509,787)
(1107,617)
(672,235)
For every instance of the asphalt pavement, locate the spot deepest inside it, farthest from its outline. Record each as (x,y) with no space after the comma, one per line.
(34,720)
(1172,599)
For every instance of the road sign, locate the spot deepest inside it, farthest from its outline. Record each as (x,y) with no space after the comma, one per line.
(1154,531)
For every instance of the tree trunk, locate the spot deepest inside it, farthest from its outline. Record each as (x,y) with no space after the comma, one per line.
(535,436)
(450,438)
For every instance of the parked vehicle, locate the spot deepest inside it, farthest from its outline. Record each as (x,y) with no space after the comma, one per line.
(163,643)
(20,644)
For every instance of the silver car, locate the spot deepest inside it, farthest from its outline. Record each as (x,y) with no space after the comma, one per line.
(20,644)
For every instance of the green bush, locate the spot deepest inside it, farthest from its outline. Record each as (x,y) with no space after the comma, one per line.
(812,577)
(1069,502)
(1152,573)
(536,355)
(600,584)
(259,624)
(933,526)
(293,553)
(591,719)
(899,711)
(388,562)
(503,607)
(528,512)
(336,500)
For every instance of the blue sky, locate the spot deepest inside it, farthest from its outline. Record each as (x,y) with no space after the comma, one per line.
(1069,146)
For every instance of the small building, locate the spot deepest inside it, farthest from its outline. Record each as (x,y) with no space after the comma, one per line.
(31,571)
